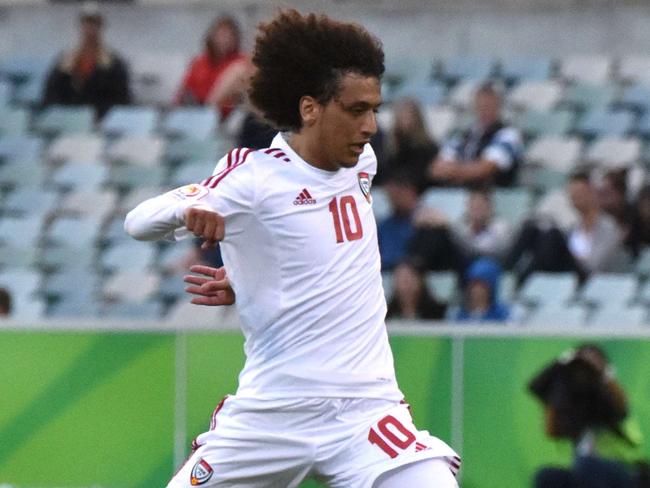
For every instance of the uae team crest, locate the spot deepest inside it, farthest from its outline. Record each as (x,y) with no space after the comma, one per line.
(364,184)
(201,472)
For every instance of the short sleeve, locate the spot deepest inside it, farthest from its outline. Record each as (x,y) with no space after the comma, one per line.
(505,147)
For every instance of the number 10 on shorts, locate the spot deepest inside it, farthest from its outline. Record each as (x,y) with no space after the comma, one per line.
(391,434)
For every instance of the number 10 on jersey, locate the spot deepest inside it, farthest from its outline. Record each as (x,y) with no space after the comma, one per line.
(341,210)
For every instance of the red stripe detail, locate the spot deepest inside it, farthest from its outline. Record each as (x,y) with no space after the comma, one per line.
(306,192)
(279,155)
(207,182)
(237,155)
(223,174)
(213,420)
(229,162)
(271,150)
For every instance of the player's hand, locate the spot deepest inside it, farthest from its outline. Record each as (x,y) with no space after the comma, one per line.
(206,224)
(213,287)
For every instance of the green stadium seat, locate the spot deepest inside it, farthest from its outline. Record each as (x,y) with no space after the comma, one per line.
(58,119)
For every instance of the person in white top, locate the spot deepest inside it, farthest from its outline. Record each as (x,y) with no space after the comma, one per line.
(317,396)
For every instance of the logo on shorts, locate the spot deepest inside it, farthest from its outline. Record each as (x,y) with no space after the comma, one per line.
(201,472)
(364,184)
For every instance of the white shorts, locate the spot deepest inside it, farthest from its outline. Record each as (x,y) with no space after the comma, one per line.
(342,442)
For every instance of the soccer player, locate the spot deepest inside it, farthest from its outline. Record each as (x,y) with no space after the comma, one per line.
(317,395)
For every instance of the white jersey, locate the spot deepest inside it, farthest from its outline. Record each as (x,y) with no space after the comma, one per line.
(301,253)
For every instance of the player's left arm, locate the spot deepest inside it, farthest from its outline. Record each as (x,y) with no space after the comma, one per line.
(210,285)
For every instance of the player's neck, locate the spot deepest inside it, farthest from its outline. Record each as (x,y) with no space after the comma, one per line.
(310,151)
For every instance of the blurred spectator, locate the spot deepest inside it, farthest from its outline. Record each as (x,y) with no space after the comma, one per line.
(639,236)
(217,77)
(443,245)
(612,198)
(481,298)
(488,153)
(410,147)
(593,245)
(411,297)
(585,404)
(5,303)
(395,231)
(90,74)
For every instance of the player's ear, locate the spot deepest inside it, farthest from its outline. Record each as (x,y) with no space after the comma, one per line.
(310,110)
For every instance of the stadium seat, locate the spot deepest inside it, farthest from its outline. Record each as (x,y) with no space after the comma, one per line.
(23,231)
(5,93)
(425,93)
(138,150)
(20,68)
(610,289)
(74,233)
(88,202)
(555,152)
(184,150)
(76,147)
(512,204)
(440,121)
(463,68)
(612,317)
(172,256)
(156,76)
(589,96)
(451,202)
(643,126)
(546,123)
(129,285)
(129,254)
(82,304)
(532,69)
(26,308)
(138,195)
(131,121)
(21,282)
(636,97)
(30,92)
(69,282)
(443,285)
(462,95)
(590,69)
(21,174)
(191,123)
(635,69)
(555,205)
(545,288)
(536,95)
(13,121)
(58,119)
(599,123)
(80,174)
(556,316)
(642,265)
(191,172)
(31,201)
(614,152)
(20,147)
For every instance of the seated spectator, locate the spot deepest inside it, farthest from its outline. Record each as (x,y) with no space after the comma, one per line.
(395,231)
(5,303)
(585,404)
(481,297)
(411,297)
(442,245)
(489,153)
(612,198)
(90,74)
(410,148)
(593,245)
(219,76)
(639,236)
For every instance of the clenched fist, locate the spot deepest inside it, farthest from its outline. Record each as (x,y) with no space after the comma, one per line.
(205,223)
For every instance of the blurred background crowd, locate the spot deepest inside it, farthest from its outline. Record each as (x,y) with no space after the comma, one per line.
(508,190)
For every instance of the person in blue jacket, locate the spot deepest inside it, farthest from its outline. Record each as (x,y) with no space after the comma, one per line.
(481,302)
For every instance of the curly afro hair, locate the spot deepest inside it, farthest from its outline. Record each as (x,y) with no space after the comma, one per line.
(298,56)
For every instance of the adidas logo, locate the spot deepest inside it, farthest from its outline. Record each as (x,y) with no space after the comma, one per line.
(304,198)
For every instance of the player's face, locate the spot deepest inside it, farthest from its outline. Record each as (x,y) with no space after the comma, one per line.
(348,121)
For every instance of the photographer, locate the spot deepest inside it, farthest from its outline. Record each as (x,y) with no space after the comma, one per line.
(585,404)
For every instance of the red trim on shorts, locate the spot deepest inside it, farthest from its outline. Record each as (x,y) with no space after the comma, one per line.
(213,420)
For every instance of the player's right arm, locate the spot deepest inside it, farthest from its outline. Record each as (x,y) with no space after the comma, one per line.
(202,209)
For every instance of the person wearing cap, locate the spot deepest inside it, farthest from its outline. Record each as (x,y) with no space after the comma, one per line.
(90,74)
